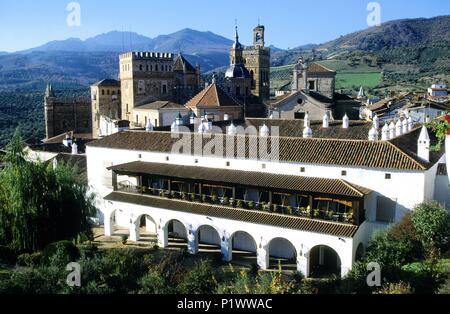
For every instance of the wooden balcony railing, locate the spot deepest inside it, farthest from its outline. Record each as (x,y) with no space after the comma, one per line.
(288,210)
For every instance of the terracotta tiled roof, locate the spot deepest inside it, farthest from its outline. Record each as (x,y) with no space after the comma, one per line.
(246,178)
(156,105)
(212,96)
(395,154)
(256,217)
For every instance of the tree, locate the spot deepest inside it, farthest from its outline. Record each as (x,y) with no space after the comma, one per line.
(432,222)
(40,204)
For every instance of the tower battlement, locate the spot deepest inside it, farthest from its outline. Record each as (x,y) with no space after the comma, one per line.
(144,55)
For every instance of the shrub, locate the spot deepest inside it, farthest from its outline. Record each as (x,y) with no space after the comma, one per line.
(30,260)
(153,283)
(395,288)
(60,252)
(199,280)
(432,223)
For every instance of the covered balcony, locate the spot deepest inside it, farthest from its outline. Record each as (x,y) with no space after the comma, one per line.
(286,195)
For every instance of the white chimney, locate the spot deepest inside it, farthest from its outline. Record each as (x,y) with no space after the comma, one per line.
(74,149)
(376,122)
(232,129)
(398,128)
(264,131)
(149,127)
(405,126)
(373,134)
(423,145)
(410,124)
(307,132)
(174,127)
(201,128)
(345,122)
(392,130)
(326,121)
(307,121)
(385,133)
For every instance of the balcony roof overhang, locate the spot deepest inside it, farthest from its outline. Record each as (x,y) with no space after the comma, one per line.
(257,180)
(256,217)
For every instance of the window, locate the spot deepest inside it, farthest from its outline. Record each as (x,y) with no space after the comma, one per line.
(156,67)
(137,119)
(343,173)
(228,164)
(263,166)
(156,122)
(387,176)
(196,161)
(103,92)
(139,156)
(164,88)
(108,92)
(302,169)
(146,67)
(167,158)
(140,67)
(312,85)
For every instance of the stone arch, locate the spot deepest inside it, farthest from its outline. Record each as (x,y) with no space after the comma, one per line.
(177,233)
(360,251)
(324,261)
(282,252)
(243,241)
(146,221)
(243,247)
(207,234)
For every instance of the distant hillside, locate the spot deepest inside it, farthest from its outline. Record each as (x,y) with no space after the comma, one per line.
(403,54)
(76,62)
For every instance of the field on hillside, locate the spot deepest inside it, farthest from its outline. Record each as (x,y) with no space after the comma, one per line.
(355,80)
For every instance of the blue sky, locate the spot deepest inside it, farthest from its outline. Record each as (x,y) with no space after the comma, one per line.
(290,23)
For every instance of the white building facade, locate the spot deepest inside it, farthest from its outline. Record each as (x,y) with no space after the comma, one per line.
(332,194)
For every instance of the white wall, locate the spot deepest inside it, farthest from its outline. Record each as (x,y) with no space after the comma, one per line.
(407,187)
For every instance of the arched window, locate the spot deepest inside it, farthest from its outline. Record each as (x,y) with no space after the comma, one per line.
(146,67)
(103,92)
(156,67)
(140,67)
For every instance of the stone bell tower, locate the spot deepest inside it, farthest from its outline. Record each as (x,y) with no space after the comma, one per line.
(257,61)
